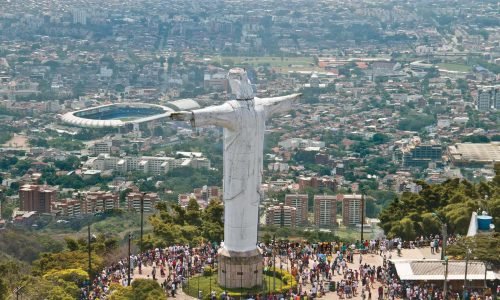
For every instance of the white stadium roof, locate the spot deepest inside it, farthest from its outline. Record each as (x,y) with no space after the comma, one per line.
(184,104)
(72,118)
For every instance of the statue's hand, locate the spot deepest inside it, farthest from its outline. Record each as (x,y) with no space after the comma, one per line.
(181,116)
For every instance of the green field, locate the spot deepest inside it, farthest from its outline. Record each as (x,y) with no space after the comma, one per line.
(119,225)
(280,64)
(454,67)
(207,283)
(126,119)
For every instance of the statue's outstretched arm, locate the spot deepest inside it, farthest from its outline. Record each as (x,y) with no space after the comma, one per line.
(181,116)
(212,115)
(278,104)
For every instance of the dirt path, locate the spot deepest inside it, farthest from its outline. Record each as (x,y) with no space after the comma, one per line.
(18,141)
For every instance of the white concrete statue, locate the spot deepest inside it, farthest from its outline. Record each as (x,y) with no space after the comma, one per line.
(243,120)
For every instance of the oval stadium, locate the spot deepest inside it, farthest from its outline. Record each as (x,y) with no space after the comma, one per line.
(116,115)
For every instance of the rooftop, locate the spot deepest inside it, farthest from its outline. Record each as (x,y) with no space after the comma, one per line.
(488,152)
(435,270)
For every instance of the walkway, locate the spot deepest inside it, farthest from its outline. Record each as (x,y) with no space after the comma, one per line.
(370,259)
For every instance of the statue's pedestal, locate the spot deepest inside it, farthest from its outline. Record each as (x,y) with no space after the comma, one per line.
(239,269)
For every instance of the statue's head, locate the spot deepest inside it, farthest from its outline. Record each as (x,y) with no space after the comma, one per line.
(240,84)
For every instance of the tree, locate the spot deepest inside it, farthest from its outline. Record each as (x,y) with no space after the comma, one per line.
(4,290)
(449,85)
(213,227)
(49,262)
(69,279)
(454,200)
(158,131)
(483,248)
(71,244)
(405,229)
(475,139)
(146,289)
(380,138)
(175,224)
(70,163)
(79,89)
(430,224)
(170,62)
(193,214)
(119,88)
(415,122)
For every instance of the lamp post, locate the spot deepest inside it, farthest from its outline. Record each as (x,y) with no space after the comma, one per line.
(486,267)
(17,290)
(444,232)
(362,214)
(142,218)
(274,263)
(467,253)
(225,277)
(199,292)
(129,267)
(241,281)
(1,204)
(89,252)
(445,287)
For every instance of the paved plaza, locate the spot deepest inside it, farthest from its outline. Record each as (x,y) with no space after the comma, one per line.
(370,259)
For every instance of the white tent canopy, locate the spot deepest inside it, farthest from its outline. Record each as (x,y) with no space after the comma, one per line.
(435,270)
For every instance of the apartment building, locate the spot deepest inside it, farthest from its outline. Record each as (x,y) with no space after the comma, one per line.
(351,209)
(325,210)
(300,202)
(37,198)
(150,200)
(89,203)
(147,164)
(281,216)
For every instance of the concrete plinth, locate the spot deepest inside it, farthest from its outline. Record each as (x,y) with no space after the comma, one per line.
(239,269)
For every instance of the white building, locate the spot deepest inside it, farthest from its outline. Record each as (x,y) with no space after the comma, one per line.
(488,97)
(296,143)
(79,16)
(147,164)
(278,167)
(101,147)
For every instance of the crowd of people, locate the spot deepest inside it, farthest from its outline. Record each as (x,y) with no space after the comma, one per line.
(170,266)
(318,268)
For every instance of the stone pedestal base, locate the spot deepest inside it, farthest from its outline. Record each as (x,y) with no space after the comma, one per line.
(239,269)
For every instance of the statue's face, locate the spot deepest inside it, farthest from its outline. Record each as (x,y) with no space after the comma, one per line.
(240,85)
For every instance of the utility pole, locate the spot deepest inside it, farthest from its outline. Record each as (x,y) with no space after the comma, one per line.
(444,233)
(18,290)
(445,288)
(199,292)
(90,256)
(274,263)
(128,278)
(362,215)
(142,218)
(1,204)
(225,277)
(466,267)
(445,239)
